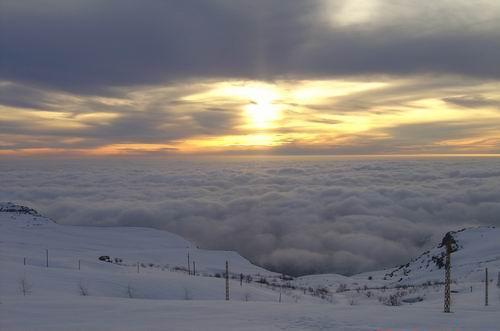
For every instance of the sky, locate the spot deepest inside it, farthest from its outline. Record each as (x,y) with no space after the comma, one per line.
(331,77)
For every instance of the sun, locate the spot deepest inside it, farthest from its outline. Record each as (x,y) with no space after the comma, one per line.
(260,102)
(262,109)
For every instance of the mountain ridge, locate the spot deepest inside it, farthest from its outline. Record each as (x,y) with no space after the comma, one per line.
(429,262)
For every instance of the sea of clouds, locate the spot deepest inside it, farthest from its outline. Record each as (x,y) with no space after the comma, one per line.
(297,215)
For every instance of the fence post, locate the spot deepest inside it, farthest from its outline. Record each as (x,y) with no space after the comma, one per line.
(227,280)
(486,281)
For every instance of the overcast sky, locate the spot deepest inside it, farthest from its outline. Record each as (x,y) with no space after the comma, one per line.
(235,76)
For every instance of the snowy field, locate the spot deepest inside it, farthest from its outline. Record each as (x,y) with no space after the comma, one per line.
(88,313)
(159,294)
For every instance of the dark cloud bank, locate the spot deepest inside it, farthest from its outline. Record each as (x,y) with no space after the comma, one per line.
(86,46)
(295,215)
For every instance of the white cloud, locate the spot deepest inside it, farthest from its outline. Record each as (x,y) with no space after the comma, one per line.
(298,215)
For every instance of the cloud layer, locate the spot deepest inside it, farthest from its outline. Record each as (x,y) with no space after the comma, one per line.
(88,46)
(418,115)
(110,77)
(294,215)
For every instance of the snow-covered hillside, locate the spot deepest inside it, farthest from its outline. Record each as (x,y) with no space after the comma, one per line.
(119,278)
(73,261)
(474,250)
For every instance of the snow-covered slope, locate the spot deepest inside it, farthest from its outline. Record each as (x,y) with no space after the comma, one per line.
(474,250)
(73,261)
(144,284)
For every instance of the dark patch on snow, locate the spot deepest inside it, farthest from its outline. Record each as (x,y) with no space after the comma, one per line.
(9,207)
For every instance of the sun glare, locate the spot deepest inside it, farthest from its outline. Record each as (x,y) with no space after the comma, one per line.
(259,101)
(262,111)
(261,107)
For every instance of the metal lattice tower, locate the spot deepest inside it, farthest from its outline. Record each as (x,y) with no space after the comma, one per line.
(227,281)
(447,241)
(486,281)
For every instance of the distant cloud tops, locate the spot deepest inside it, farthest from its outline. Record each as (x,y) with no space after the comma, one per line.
(295,215)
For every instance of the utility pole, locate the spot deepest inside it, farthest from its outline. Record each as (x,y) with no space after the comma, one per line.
(241,279)
(189,266)
(227,281)
(447,241)
(47,258)
(486,281)
(194,268)
(79,264)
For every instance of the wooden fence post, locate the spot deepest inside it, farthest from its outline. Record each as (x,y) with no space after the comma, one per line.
(486,283)
(227,280)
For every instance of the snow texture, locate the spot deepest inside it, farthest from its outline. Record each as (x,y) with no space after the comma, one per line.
(162,296)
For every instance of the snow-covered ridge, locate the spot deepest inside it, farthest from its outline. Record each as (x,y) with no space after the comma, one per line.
(22,216)
(474,250)
(56,277)
(124,242)
(9,207)
(155,262)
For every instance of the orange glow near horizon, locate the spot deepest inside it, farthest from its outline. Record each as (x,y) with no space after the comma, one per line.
(253,116)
